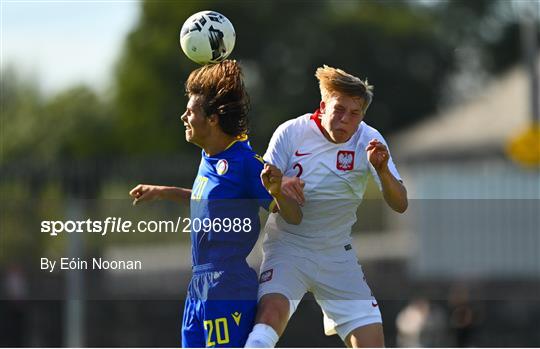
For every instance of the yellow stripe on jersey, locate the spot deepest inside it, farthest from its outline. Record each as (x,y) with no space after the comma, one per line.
(260,158)
(241,138)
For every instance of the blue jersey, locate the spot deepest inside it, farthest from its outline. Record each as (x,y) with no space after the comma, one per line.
(222,295)
(225,202)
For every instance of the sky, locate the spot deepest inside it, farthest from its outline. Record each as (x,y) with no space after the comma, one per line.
(63,43)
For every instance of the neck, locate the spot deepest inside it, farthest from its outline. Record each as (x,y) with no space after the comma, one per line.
(218,143)
(327,135)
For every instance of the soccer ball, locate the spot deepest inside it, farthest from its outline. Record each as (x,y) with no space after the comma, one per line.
(207,37)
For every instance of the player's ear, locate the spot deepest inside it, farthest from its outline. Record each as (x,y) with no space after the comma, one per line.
(322,107)
(213,120)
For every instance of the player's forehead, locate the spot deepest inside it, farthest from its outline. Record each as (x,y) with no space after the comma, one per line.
(195,102)
(343,100)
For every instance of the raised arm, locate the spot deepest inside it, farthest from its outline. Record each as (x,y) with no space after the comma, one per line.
(394,192)
(147,192)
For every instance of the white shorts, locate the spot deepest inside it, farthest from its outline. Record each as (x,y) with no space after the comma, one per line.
(338,284)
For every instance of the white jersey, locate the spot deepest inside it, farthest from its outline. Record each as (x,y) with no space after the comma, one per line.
(335,177)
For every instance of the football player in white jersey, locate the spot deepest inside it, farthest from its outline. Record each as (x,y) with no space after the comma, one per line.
(328,156)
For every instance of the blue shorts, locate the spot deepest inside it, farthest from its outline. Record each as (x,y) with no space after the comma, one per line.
(220,306)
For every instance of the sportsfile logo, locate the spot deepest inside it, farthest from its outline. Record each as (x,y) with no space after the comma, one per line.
(121,225)
(266,276)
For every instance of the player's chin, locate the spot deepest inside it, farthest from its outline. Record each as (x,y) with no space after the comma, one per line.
(189,135)
(340,136)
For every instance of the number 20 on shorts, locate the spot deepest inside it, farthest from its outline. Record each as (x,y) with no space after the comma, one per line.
(221,331)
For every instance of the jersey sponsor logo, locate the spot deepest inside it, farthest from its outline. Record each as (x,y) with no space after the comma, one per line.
(266,276)
(222,167)
(345,160)
(297,153)
(236,317)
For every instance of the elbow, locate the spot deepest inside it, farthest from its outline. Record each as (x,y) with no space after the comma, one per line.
(402,202)
(402,207)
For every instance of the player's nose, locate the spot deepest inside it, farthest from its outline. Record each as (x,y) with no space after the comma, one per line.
(351,116)
(346,118)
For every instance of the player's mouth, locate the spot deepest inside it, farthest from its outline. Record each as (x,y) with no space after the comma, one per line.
(188,132)
(340,135)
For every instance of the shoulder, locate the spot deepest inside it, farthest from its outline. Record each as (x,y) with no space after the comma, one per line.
(369,130)
(294,125)
(366,133)
(253,163)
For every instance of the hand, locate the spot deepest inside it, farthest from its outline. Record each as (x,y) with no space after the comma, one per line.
(293,187)
(271,179)
(377,154)
(145,192)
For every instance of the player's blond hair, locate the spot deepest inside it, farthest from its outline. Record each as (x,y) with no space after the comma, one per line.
(333,80)
(222,86)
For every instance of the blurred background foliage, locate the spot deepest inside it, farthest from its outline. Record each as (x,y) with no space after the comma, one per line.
(412,51)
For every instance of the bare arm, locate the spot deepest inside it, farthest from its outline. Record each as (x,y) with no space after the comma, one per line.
(146,192)
(288,208)
(394,192)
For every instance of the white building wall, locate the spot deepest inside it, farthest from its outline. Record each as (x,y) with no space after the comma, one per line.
(474,220)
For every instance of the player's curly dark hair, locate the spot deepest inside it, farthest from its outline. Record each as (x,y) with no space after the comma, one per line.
(224,94)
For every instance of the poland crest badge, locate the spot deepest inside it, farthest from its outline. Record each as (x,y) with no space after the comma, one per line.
(345,160)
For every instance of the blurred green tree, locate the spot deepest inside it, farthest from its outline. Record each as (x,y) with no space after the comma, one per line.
(407,50)
(74,124)
(22,104)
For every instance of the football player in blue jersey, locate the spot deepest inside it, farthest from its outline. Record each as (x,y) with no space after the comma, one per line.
(232,184)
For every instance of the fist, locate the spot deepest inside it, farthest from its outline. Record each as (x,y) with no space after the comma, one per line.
(271,178)
(377,154)
(293,187)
